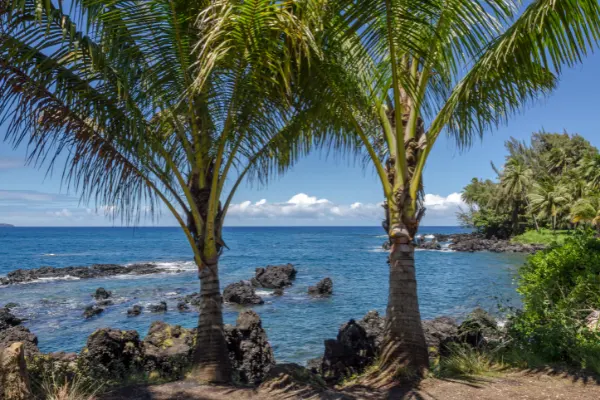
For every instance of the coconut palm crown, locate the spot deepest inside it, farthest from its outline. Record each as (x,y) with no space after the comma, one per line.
(139,104)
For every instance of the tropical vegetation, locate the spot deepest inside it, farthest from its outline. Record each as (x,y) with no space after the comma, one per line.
(560,288)
(160,102)
(140,105)
(548,185)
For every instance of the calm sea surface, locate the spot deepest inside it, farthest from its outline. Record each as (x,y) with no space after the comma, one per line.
(450,283)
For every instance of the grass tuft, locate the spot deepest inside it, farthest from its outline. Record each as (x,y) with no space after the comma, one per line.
(75,389)
(466,361)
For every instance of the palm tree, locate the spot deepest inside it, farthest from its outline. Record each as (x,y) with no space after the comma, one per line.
(590,171)
(397,74)
(144,105)
(515,181)
(587,210)
(548,200)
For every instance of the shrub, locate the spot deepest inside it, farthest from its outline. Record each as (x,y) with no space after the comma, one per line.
(560,287)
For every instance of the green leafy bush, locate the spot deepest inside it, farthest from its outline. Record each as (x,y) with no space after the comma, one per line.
(560,287)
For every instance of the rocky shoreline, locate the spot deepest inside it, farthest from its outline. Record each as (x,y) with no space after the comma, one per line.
(472,242)
(81,272)
(112,356)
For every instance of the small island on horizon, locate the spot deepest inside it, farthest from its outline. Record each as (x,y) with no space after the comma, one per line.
(6,225)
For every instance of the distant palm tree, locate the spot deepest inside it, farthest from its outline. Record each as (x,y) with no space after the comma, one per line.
(515,181)
(144,103)
(548,200)
(590,170)
(587,210)
(398,74)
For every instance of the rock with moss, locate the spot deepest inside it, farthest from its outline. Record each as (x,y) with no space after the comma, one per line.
(168,350)
(439,332)
(19,334)
(111,355)
(250,353)
(14,379)
(479,329)
(60,367)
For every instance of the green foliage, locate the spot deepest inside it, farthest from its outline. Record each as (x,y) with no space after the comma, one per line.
(552,182)
(560,287)
(543,236)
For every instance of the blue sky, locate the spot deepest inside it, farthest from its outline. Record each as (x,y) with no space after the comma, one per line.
(323,190)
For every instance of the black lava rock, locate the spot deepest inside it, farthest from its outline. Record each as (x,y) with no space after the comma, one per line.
(241,293)
(322,289)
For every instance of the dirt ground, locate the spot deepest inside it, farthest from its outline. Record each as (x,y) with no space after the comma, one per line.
(517,386)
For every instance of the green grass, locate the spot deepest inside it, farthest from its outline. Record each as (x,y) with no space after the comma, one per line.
(544,236)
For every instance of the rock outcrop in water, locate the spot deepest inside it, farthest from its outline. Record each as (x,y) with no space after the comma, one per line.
(92,311)
(135,310)
(324,288)
(158,308)
(94,271)
(274,276)
(102,294)
(241,293)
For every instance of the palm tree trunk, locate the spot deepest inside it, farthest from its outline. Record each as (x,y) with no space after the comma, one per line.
(211,358)
(404,348)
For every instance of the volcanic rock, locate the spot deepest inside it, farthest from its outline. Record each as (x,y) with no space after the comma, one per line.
(168,350)
(274,276)
(19,334)
(135,310)
(157,308)
(111,355)
(7,319)
(323,288)
(250,353)
(102,294)
(91,311)
(241,293)
(14,380)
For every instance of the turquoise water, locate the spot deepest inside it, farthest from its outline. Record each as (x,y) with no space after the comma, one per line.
(450,283)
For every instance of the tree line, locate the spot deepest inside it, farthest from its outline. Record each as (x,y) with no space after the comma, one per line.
(175,103)
(552,182)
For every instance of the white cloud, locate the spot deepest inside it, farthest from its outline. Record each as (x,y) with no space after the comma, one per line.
(440,210)
(10,163)
(64,213)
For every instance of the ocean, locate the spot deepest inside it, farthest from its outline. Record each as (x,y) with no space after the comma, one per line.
(449,283)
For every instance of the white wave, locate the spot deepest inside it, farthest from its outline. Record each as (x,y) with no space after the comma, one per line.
(264,293)
(49,255)
(378,250)
(429,236)
(57,278)
(382,236)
